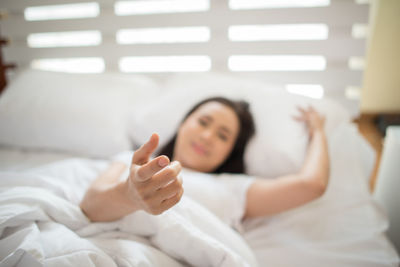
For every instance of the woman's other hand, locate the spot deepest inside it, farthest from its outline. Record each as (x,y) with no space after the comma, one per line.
(153,185)
(314,120)
(267,197)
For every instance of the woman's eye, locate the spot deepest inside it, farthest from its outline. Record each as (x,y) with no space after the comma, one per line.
(223,137)
(203,122)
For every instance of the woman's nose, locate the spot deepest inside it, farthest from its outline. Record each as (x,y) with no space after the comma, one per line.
(207,135)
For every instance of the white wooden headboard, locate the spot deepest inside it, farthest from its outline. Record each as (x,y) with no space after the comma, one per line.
(343,49)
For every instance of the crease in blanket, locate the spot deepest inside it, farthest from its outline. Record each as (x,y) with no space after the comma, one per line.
(40,227)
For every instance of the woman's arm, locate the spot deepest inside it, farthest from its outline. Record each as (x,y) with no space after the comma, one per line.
(152,186)
(106,199)
(267,197)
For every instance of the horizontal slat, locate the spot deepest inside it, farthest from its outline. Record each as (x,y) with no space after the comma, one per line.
(107,22)
(19,5)
(337,79)
(337,49)
(328,78)
(333,50)
(335,32)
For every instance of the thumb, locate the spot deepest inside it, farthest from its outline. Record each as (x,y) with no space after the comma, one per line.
(142,155)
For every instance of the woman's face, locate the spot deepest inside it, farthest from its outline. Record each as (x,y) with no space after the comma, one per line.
(206,137)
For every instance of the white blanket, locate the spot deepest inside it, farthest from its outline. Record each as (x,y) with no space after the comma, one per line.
(41,223)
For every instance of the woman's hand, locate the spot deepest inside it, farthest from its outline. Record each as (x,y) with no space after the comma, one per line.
(314,120)
(271,196)
(153,186)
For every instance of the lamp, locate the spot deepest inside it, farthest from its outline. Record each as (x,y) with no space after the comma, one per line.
(380,92)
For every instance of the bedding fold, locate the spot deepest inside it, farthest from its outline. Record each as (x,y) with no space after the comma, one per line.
(38,222)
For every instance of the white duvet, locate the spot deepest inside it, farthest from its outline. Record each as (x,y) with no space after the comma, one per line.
(41,224)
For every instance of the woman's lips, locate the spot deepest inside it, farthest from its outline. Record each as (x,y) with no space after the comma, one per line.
(199,149)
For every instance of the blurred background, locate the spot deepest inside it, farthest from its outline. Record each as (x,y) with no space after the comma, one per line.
(312,47)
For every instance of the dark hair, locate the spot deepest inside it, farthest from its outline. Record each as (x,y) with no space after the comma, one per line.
(234,163)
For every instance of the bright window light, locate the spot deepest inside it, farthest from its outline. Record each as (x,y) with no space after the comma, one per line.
(361,2)
(276,63)
(165,64)
(259,4)
(64,39)
(69,11)
(163,35)
(309,90)
(71,65)
(359,31)
(353,92)
(278,32)
(142,7)
(356,63)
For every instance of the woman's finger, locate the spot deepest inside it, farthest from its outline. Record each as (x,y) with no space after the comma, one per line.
(302,110)
(142,155)
(147,170)
(169,191)
(164,198)
(166,175)
(170,202)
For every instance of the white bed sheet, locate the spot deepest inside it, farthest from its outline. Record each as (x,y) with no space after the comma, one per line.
(343,228)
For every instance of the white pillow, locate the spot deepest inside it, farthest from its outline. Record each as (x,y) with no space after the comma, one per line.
(79,113)
(181,92)
(280,143)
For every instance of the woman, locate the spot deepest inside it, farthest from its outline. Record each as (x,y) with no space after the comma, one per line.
(211,139)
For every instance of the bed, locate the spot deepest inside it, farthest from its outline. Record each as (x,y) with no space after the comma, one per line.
(59,131)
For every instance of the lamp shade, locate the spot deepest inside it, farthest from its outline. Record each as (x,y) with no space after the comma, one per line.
(381,84)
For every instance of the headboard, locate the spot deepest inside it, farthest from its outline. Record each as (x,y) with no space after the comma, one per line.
(342,50)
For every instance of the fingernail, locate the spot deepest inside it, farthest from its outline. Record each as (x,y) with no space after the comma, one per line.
(163,162)
(151,136)
(173,164)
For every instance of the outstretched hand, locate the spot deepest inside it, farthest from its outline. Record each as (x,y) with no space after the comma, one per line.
(313,120)
(154,185)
